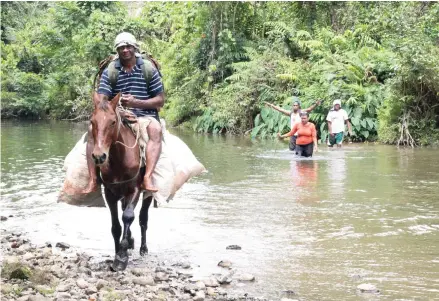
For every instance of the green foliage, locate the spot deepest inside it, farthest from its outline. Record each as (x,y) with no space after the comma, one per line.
(222,60)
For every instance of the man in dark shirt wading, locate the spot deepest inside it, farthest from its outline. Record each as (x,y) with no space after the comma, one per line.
(141,97)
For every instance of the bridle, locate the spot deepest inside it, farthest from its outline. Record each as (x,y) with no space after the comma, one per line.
(119,124)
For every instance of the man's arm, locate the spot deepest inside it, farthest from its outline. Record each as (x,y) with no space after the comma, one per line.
(317,103)
(283,111)
(156,102)
(349,126)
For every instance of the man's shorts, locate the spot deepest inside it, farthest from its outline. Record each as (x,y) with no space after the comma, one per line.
(292,144)
(336,139)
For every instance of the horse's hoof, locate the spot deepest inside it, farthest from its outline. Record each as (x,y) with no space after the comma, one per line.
(143,250)
(131,243)
(120,262)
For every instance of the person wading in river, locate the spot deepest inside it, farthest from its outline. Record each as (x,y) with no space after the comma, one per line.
(142,97)
(337,117)
(306,141)
(294,115)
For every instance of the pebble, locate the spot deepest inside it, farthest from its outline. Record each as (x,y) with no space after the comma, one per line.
(367,288)
(245,277)
(161,276)
(225,264)
(81,283)
(80,277)
(233,247)
(146,280)
(62,245)
(211,282)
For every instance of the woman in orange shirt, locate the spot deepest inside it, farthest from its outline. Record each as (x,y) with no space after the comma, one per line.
(306,136)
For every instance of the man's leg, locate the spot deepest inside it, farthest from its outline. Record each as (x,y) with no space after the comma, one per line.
(93,182)
(339,139)
(292,144)
(331,140)
(153,150)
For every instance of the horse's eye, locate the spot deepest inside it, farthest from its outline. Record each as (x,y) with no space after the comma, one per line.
(113,123)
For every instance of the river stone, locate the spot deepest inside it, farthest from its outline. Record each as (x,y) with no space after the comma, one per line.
(161,276)
(63,288)
(23,298)
(223,279)
(39,298)
(225,264)
(91,290)
(63,295)
(81,283)
(367,288)
(287,299)
(211,282)
(101,283)
(139,272)
(245,277)
(62,245)
(210,291)
(3,218)
(190,288)
(144,281)
(200,285)
(199,296)
(233,247)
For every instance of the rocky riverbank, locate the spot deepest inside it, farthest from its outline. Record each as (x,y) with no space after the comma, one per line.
(55,271)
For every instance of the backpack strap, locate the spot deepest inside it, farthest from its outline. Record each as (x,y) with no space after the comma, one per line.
(113,73)
(147,70)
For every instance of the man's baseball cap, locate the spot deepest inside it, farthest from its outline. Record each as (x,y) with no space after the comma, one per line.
(125,38)
(337,102)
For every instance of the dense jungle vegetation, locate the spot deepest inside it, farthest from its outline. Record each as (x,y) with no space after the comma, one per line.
(222,60)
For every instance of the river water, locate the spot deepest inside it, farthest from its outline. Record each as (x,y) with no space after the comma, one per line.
(319,227)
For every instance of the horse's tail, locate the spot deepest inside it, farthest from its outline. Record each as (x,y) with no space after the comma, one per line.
(102,65)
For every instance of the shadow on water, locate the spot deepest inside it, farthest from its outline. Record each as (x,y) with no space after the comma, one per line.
(319,226)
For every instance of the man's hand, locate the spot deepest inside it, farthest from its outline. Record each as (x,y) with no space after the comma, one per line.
(127,100)
(267,104)
(319,102)
(315,149)
(279,136)
(129,116)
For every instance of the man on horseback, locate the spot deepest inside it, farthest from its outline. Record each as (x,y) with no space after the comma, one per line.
(142,96)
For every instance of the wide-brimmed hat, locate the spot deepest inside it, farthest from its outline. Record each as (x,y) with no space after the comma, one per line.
(125,38)
(337,102)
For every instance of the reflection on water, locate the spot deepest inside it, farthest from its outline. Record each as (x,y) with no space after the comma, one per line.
(318,226)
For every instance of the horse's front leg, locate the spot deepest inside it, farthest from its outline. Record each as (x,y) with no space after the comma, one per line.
(143,221)
(116,229)
(130,203)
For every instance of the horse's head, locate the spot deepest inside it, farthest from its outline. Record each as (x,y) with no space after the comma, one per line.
(104,121)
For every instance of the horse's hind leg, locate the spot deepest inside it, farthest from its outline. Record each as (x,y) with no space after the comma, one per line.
(143,221)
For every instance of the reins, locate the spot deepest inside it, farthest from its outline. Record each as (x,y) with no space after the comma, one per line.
(119,121)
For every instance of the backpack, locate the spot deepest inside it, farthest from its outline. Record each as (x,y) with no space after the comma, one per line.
(147,69)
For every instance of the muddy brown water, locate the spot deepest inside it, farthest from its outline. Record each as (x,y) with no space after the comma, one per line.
(318,227)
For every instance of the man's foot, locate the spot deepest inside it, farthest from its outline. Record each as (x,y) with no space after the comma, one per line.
(147,185)
(91,187)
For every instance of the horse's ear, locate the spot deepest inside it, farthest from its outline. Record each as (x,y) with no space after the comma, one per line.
(115,101)
(96,98)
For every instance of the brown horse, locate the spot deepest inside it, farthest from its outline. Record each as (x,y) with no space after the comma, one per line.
(121,175)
